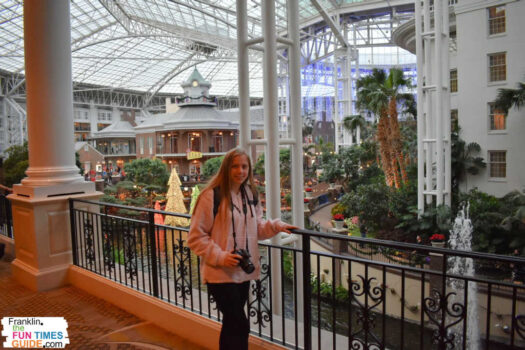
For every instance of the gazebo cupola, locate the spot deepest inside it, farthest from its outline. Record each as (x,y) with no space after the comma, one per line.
(196,91)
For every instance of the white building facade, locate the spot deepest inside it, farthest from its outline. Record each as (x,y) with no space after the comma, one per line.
(490,56)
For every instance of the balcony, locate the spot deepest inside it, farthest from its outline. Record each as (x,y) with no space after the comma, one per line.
(361,293)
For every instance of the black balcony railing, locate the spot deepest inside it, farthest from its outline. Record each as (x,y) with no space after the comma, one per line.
(349,300)
(6,219)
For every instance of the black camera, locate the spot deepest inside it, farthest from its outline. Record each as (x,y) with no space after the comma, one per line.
(244,262)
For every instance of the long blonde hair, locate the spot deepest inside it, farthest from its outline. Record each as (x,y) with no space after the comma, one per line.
(223,181)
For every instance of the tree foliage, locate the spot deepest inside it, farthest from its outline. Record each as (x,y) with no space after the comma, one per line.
(147,171)
(212,166)
(508,98)
(16,164)
(381,93)
(464,160)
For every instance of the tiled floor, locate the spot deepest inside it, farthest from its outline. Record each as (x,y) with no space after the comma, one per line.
(92,323)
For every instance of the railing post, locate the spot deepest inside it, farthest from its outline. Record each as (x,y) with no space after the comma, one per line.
(9,216)
(153,253)
(73,230)
(307,293)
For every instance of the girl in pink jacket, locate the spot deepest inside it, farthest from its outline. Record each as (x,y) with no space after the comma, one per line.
(227,242)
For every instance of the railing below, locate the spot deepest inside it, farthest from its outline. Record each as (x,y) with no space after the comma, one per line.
(348,301)
(6,219)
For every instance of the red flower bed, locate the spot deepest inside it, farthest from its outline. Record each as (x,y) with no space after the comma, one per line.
(437,237)
(339,217)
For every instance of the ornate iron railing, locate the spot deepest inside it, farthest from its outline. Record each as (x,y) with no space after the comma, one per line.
(347,301)
(6,219)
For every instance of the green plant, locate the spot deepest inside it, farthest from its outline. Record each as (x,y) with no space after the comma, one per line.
(211,166)
(338,209)
(147,171)
(369,202)
(16,164)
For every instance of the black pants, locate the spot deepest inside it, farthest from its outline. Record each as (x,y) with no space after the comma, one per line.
(231,298)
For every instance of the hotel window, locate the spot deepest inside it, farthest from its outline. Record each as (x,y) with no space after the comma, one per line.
(217,142)
(498,164)
(173,143)
(454,80)
(141,145)
(496,20)
(454,122)
(150,144)
(104,115)
(496,118)
(497,67)
(194,141)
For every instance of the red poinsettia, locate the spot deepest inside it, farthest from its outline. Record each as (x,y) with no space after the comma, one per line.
(339,217)
(306,200)
(308,189)
(437,237)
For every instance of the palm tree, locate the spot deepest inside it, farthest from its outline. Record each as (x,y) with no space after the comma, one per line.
(381,94)
(353,122)
(371,95)
(395,83)
(464,160)
(508,98)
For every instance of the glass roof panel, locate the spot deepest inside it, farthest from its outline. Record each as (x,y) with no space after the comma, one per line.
(149,45)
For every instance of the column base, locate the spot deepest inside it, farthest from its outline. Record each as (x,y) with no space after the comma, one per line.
(76,188)
(39,279)
(42,236)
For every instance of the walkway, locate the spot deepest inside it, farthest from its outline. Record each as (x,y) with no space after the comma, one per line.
(324,217)
(92,323)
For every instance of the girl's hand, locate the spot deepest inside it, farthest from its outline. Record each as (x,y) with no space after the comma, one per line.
(232,260)
(282,227)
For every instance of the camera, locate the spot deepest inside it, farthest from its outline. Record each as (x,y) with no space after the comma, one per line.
(244,262)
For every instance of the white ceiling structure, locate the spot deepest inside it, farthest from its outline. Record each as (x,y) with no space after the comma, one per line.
(150,45)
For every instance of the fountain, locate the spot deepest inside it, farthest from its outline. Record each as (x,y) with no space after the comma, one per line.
(461,239)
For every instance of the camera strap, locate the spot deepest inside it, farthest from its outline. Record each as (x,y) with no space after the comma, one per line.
(245,212)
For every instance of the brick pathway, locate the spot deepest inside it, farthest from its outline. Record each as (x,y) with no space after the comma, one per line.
(92,323)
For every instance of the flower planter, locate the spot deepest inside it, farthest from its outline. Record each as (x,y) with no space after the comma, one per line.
(339,224)
(438,244)
(308,194)
(331,185)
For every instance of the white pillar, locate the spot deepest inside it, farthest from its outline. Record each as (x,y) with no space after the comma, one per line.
(243,74)
(47,41)
(294,65)
(271,133)
(93,118)
(40,206)
(420,111)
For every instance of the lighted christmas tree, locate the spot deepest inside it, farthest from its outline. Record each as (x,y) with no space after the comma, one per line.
(175,202)
(194,195)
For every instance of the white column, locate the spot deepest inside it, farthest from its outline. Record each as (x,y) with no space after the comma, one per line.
(294,64)
(438,73)
(271,133)
(271,120)
(243,74)
(40,203)
(420,111)
(93,118)
(47,41)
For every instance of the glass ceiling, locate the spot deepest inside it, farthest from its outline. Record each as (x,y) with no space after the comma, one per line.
(150,45)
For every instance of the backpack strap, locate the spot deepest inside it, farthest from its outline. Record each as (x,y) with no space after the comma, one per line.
(216,200)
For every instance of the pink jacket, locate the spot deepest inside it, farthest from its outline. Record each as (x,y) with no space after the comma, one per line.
(212,238)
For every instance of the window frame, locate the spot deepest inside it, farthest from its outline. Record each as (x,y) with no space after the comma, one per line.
(491,67)
(491,112)
(492,163)
(453,82)
(494,22)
